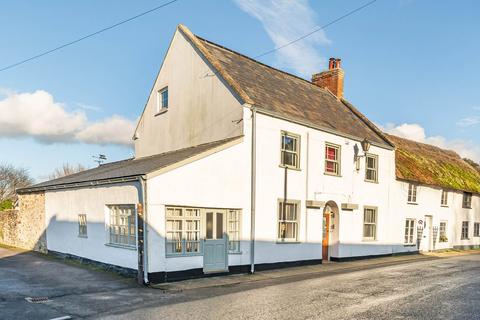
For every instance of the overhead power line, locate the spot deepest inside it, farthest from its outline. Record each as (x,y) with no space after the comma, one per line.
(316,30)
(86,36)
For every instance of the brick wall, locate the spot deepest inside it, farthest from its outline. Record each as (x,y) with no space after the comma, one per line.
(25,227)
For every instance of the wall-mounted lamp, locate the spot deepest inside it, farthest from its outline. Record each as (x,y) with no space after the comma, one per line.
(365,147)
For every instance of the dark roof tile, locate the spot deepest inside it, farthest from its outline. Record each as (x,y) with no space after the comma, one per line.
(128,168)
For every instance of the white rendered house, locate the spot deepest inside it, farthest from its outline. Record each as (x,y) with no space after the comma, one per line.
(238,167)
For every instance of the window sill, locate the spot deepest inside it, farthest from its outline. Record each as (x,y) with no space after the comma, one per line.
(113,245)
(369,240)
(83,236)
(409,245)
(184,255)
(235,252)
(462,239)
(332,174)
(288,167)
(444,206)
(371,181)
(287,242)
(466,207)
(413,203)
(161,112)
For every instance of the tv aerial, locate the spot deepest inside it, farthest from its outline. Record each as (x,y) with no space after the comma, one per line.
(100,159)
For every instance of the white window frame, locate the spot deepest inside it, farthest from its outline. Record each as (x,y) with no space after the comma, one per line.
(282,220)
(442,232)
(373,223)
(234,219)
(373,169)
(160,102)
(336,162)
(412,193)
(129,237)
(476,229)
(82,226)
(295,153)
(409,231)
(464,233)
(444,199)
(189,241)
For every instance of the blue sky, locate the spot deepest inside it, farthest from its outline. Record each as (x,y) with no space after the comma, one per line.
(411,66)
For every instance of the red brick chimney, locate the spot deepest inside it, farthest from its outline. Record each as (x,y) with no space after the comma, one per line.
(332,79)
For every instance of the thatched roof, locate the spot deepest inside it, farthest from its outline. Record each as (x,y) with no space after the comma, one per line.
(427,164)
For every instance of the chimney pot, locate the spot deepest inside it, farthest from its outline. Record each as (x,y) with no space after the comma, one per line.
(331,64)
(338,63)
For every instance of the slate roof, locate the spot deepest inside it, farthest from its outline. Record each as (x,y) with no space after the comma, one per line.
(427,164)
(127,168)
(286,95)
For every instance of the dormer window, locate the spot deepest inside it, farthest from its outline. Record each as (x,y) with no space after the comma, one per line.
(162,100)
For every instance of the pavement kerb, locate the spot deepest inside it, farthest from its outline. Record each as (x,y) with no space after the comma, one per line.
(294,272)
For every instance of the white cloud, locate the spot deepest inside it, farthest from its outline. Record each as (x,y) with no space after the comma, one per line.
(284,21)
(88,107)
(414,131)
(113,130)
(468,121)
(39,116)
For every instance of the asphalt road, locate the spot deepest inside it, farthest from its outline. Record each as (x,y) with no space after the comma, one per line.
(425,289)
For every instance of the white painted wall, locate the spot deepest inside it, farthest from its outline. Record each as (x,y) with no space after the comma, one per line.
(201,108)
(350,187)
(62,209)
(471,215)
(220,180)
(429,204)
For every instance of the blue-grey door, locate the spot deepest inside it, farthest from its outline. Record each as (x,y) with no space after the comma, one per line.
(215,257)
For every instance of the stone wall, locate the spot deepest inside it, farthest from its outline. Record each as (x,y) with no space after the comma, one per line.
(25,227)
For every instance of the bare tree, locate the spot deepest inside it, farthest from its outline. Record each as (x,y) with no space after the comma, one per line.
(65,170)
(12,178)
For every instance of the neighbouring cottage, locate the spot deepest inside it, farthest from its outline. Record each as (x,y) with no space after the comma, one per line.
(241,167)
(437,193)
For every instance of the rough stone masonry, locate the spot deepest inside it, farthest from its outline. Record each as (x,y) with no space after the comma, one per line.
(25,227)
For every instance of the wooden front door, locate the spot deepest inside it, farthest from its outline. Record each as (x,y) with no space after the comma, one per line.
(326,236)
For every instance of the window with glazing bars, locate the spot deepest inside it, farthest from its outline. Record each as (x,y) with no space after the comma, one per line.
(122,225)
(183,231)
(234,230)
(332,159)
(82,225)
(464,230)
(443,232)
(162,99)
(409,231)
(467,200)
(476,229)
(369,223)
(444,201)
(371,168)
(290,150)
(288,221)
(412,193)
